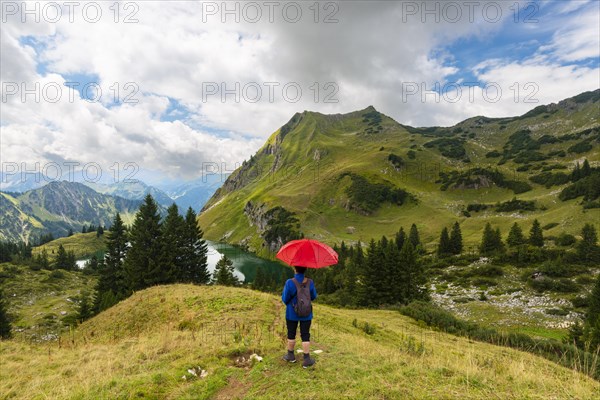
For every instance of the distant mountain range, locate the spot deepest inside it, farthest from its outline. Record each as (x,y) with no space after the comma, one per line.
(58,207)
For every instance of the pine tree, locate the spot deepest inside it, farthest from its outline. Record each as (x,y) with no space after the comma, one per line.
(444,247)
(499,245)
(393,272)
(586,170)
(456,241)
(413,277)
(5,327)
(70,233)
(195,250)
(576,174)
(172,237)
(84,310)
(99,231)
(142,267)
(84,229)
(587,249)
(370,289)
(111,284)
(490,242)
(414,236)
(536,237)
(400,238)
(62,259)
(42,260)
(224,273)
(260,280)
(515,236)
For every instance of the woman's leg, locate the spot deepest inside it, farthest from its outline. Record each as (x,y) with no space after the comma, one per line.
(305,335)
(292,326)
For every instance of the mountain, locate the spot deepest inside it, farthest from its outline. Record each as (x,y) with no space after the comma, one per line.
(132,189)
(172,341)
(361,175)
(194,193)
(58,207)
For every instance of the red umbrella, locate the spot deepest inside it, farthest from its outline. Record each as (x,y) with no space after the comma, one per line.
(307,253)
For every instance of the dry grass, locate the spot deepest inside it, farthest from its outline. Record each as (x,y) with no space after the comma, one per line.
(143,347)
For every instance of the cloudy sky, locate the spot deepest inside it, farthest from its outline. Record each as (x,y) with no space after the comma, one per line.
(172,85)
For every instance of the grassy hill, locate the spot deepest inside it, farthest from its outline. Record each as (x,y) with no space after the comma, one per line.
(340,176)
(145,346)
(82,244)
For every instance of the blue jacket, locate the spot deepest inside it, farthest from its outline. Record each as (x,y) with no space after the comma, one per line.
(289,298)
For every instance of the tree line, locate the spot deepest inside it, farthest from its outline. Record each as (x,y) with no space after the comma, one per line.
(151,252)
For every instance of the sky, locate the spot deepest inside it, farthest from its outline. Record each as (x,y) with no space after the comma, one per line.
(181,86)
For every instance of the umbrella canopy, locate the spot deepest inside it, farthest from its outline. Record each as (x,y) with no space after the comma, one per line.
(307,253)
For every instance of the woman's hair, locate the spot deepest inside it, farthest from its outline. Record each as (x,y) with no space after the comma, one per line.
(300,270)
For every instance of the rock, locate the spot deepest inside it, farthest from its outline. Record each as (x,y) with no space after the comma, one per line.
(256,357)
(63,313)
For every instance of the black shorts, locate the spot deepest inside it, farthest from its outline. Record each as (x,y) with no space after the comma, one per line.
(292,326)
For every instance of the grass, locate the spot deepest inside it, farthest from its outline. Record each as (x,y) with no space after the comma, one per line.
(142,348)
(37,299)
(82,244)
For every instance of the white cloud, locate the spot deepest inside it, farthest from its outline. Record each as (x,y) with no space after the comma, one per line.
(371,53)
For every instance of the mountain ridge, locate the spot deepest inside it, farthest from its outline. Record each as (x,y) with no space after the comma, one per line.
(301,167)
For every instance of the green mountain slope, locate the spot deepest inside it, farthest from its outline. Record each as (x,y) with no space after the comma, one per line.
(58,207)
(152,344)
(344,177)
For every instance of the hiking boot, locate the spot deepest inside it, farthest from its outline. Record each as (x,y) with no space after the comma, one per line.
(308,362)
(289,357)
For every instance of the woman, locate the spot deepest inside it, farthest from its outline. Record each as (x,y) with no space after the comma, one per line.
(290,298)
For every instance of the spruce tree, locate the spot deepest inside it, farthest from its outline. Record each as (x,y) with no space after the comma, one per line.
(99,231)
(5,327)
(400,238)
(414,236)
(515,236)
(195,250)
(142,267)
(70,233)
(111,285)
(84,310)
(576,174)
(62,259)
(587,249)
(42,260)
(586,170)
(413,277)
(499,245)
(536,237)
(224,273)
(370,276)
(456,241)
(444,246)
(172,238)
(489,241)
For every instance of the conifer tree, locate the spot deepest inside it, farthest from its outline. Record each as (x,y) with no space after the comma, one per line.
(84,310)
(515,236)
(586,170)
(490,242)
(498,241)
(70,233)
(413,277)
(414,236)
(62,259)
(587,249)
(195,250)
(172,237)
(111,285)
(5,326)
(42,260)
(456,241)
(536,237)
(370,276)
(224,273)
(400,238)
(142,267)
(576,174)
(444,246)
